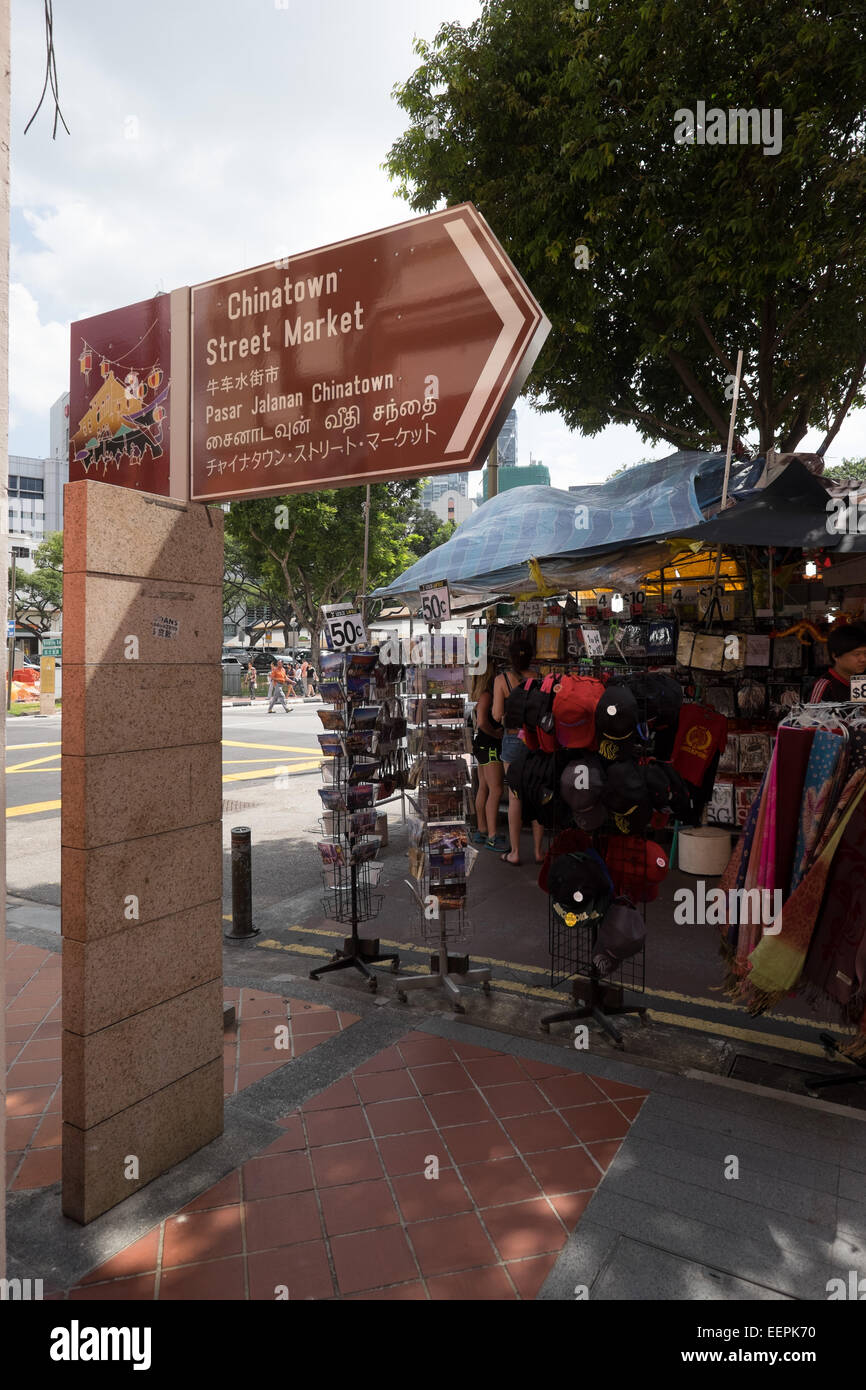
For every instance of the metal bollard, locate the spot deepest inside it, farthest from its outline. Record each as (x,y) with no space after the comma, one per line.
(242,886)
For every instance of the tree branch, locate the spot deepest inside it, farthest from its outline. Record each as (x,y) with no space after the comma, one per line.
(723,357)
(845,406)
(823,281)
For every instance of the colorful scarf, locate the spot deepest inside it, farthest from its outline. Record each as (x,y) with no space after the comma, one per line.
(794,746)
(820,772)
(778,959)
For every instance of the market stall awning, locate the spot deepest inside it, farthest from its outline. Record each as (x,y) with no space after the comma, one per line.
(589,535)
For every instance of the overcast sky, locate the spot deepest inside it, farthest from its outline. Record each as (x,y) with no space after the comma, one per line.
(208,136)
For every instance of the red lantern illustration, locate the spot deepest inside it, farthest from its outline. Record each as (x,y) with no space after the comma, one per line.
(154,378)
(104,367)
(159,414)
(86,363)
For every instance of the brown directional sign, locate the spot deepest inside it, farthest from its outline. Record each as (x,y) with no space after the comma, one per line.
(394,354)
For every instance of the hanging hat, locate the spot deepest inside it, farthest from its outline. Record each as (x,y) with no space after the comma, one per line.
(579,886)
(636,866)
(582,783)
(658,786)
(616,714)
(620,936)
(624,785)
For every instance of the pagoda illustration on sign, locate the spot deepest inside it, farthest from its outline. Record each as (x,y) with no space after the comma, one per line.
(124,419)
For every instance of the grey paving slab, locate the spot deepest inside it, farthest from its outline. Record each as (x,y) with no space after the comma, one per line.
(852,1219)
(32,915)
(793,1111)
(813,1143)
(738,1255)
(580,1264)
(852,1185)
(775,1230)
(853,1156)
(769,1161)
(757,1192)
(638,1271)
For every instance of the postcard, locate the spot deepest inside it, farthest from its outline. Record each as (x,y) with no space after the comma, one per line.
(448,710)
(365,849)
(332,692)
(417,830)
(331,851)
(364,770)
(366,716)
(444,680)
(362,822)
(417,863)
(331,665)
(332,718)
(332,798)
(360,797)
(331,745)
(445,739)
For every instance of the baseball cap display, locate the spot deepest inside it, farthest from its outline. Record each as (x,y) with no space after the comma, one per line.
(579,886)
(659,697)
(620,936)
(582,782)
(574,705)
(616,714)
(627,797)
(636,866)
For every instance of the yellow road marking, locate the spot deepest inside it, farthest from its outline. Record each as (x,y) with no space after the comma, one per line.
(270,772)
(748,1035)
(34,762)
(278,747)
(32,809)
(13,747)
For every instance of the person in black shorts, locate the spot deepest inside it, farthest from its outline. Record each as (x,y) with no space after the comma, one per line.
(487,747)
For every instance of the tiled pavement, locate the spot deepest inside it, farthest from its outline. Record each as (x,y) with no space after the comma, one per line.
(269,1030)
(437,1169)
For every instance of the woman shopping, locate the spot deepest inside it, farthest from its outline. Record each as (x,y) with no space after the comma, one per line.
(487,745)
(521,654)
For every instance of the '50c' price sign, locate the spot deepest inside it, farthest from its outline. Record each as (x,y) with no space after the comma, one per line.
(345,628)
(435,603)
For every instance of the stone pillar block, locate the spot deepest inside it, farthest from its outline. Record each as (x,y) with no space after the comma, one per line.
(141,839)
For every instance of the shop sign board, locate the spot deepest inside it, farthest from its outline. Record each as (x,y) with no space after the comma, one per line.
(393,354)
(344,625)
(531,611)
(593,645)
(51,646)
(119,397)
(858,688)
(435,602)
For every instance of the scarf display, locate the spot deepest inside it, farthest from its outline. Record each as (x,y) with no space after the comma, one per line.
(804,840)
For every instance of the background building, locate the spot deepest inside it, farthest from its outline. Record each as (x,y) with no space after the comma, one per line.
(35,505)
(59,428)
(533,474)
(457,484)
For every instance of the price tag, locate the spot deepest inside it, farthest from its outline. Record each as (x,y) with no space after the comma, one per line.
(858,688)
(435,603)
(592,642)
(531,611)
(345,626)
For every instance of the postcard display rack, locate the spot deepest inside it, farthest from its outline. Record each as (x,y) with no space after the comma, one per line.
(350,744)
(440,857)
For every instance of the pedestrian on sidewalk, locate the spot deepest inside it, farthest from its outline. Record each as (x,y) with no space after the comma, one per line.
(250,678)
(305,679)
(279,681)
(486,746)
(521,654)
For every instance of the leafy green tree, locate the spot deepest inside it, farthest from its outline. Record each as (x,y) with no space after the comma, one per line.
(309,546)
(428,532)
(559,124)
(849,470)
(39,594)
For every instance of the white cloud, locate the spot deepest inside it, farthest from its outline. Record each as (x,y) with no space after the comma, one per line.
(38,358)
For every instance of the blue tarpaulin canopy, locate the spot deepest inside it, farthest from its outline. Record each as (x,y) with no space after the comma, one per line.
(597,535)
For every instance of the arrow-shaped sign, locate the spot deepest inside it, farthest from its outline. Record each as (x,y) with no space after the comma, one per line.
(394,354)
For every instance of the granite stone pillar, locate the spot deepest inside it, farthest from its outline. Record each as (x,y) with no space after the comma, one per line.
(141,866)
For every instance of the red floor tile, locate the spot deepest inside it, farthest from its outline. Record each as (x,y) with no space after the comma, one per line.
(303,1270)
(539,1070)
(524,1229)
(275,1175)
(499,1181)
(260,1050)
(360,1206)
(458,1108)
(25,1074)
(631,1108)
(454,1243)
(336,1126)
(386,1085)
(594,1122)
(49,1030)
(276,1222)
(422,1050)
(478,1285)
(397,1293)
(397,1117)
(305,1042)
(341,1093)
(255,1029)
(372,1260)
(494,1071)
(388,1060)
(523,1098)
(293,1138)
(138,1258)
(318,1021)
(19,1131)
(225,1193)
(408,1153)
(256,1005)
(218,1280)
(571,1206)
(467,1050)
(423,1199)
(441,1078)
(345,1163)
(615,1090)
(139,1289)
(532,1133)
(474,1143)
(251,1072)
(529,1275)
(563,1091)
(41,1050)
(605,1152)
(39,1169)
(202,1235)
(564,1170)
(49,1134)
